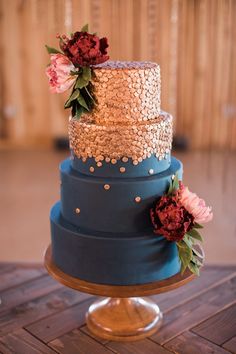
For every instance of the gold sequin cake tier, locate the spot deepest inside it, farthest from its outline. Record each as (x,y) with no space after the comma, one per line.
(111,143)
(126,92)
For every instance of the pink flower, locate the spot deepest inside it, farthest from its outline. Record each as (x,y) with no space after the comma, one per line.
(194,205)
(58,72)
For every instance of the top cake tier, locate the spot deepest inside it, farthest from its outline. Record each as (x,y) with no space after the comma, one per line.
(126,92)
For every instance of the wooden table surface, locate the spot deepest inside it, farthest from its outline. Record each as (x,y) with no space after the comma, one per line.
(39,315)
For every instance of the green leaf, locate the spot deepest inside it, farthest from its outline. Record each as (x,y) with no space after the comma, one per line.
(170,190)
(75,94)
(185,256)
(188,241)
(174,185)
(80,82)
(85,28)
(181,244)
(86,73)
(195,234)
(196,253)
(74,72)
(89,94)
(51,50)
(82,102)
(194,268)
(79,111)
(176,182)
(198,226)
(197,261)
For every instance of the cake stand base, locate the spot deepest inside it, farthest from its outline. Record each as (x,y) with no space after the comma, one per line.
(123,319)
(124,315)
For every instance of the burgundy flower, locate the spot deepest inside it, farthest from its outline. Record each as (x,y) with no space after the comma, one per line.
(170,218)
(85,49)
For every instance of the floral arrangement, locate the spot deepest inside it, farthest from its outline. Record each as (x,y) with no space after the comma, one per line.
(177,216)
(72,67)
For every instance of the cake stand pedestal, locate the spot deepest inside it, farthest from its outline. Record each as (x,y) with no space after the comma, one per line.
(124,315)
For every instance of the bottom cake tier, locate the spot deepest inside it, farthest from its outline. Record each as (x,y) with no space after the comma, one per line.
(116,260)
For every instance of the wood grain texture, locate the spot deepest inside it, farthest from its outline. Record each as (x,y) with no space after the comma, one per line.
(21,342)
(60,323)
(209,278)
(202,307)
(144,346)
(27,291)
(85,330)
(219,328)
(192,40)
(230,345)
(37,309)
(52,321)
(191,343)
(17,276)
(79,343)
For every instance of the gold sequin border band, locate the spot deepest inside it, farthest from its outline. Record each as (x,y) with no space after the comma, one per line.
(137,142)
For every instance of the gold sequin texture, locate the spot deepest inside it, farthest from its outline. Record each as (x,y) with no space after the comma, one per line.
(137,199)
(113,142)
(122,169)
(77,210)
(107,187)
(127,122)
(126,89)
(91,169)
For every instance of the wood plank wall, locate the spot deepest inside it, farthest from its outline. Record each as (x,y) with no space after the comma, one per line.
(193,40)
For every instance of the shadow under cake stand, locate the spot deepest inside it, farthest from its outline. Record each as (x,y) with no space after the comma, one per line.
(123,315)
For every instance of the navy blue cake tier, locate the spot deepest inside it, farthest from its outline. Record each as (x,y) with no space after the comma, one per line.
(115,259)
(112,204)
(105,236)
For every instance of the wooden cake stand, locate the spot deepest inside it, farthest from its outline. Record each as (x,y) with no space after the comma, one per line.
(123,315)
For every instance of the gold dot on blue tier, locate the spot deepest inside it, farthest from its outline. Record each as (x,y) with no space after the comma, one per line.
(135,162)
(107,187)
(113,161)
(137,199)
(151,171)
(91,169)
(107,159)
(99,164)
(122,169)
(77,210)
(125,159)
